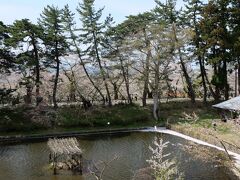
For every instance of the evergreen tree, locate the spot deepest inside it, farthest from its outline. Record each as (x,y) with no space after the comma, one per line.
(139,26)
(192,18)
(235,35)
(75,43)
(216,38)
(116,51)
(171,16)
(54,39)
(92,38)
(25,34)
(6,56)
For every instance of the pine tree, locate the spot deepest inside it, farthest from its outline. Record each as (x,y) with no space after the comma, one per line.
(6,56)
(216,38)
(192,19)
(116,50)
(56,46)
(92,38)
(139,25)
(235,35)
(25,33)
(75,42)
(171,16)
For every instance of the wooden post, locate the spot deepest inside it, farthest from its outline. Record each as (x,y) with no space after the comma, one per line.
(80,164)
(50,157)
(54,164)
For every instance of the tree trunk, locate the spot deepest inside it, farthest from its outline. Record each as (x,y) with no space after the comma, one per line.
(56,83)
(216,68)
(72,93)
(210,86)
(156,106)
(238,76)
(191,92)
(203,79)
(156,110)
(236,82)
(217,88)
(115,90)
(146,71)
(202,70)
(73,87)
(56,76)
(37,68)
(28,96)
(101,69)
(126,81)
(144,96)
(149,94)
(226,86)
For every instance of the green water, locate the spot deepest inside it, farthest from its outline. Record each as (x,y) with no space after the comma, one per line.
(30,161)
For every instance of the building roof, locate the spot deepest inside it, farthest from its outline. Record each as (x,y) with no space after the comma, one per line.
(68,146)
(231,104)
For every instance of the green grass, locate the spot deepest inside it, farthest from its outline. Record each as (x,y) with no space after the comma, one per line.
(119,115)
(173,111)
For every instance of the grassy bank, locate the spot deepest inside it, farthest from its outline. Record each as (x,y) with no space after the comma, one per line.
(118,115)
(22,120)
(198,121)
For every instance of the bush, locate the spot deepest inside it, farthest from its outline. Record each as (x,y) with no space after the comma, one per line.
(16,120)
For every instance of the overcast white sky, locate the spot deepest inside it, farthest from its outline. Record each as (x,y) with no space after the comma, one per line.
(11,10)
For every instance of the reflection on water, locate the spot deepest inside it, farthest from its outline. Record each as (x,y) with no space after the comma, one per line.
(30,161)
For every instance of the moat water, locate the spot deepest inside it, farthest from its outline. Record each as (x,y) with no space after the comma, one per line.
(30,161)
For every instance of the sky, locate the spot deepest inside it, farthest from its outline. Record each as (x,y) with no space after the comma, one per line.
(11,10)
